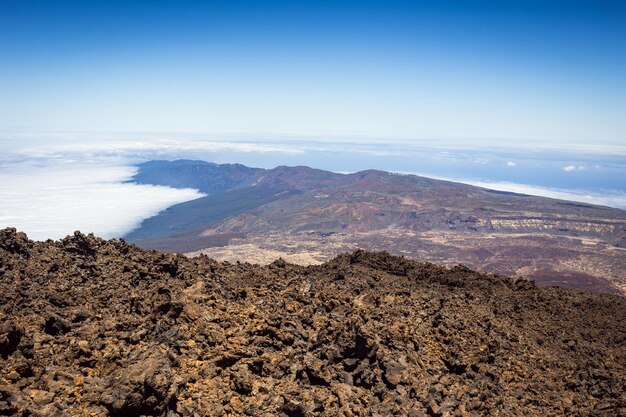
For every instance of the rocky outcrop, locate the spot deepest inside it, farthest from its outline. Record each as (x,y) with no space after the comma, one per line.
(95,327)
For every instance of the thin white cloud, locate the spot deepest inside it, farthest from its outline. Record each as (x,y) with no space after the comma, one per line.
(511,164)
(291,142)
(610,198)
(163,147)
(53,201)
(570,168)
(396,139)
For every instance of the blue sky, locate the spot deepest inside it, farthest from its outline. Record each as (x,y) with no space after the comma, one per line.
(538,71)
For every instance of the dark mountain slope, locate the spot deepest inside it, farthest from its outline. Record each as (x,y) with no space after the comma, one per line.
(408,201)
(94,327)
(179,228)
(207,177)
(320,214)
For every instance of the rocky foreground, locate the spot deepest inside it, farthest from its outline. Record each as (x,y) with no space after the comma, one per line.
(95,327)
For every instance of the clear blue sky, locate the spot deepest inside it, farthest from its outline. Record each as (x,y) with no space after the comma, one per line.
(551,70)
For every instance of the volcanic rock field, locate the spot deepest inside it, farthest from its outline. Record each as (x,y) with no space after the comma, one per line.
(90,327)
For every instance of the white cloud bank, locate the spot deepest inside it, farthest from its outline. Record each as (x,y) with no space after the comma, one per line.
(53,201)
(611,199)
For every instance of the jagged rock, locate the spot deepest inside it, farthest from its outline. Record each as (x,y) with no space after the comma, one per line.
(95,327)
(147,387)
(41,397)
(13,241)
(10,337)
(55,325)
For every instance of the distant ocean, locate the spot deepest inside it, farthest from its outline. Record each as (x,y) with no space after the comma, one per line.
(49,190)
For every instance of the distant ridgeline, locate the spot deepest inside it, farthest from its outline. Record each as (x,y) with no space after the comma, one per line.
(207,177)
(552,241)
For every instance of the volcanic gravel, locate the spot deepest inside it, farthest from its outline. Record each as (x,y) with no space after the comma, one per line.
(95,327)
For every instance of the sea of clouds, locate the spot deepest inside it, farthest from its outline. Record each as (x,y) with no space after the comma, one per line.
(54,199)
(52,186)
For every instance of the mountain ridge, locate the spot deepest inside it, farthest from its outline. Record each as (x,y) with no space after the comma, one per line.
(291,210)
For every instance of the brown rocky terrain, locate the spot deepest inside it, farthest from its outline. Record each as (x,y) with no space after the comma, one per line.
(93,327)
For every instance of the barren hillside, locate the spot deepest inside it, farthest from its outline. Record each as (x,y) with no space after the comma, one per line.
(307,214)
(95,327)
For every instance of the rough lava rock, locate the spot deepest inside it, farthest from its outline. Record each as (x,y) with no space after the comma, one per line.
(94,327)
